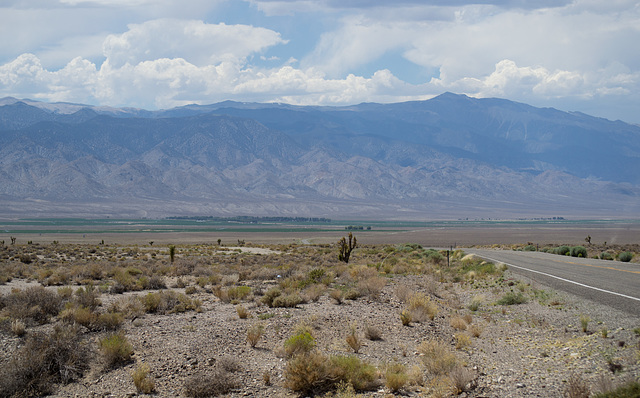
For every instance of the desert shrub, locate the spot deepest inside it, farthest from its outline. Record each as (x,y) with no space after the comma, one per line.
(475,330)
(576,387)
(529,248)
(18,328)
(337,295)
(271,295)
(308,374)
(80,315)
(606,256)
(242,311)
(34,303)
(628,390)
(301,342)
(168,301)
(512,298)
(87,297)
(395,376)
(238,292)
(461,378)
(475,303)
(45,359)
(156,283)
(109,321)
(287,300)
(372,332)
(361,375)
(371,286)
(562,250)
(437,357)
(458,323)
(214,383)
(116,350)
(406,317)
(314,292)
(421,307)
(579,251)
(462,340)
(191,290)
(353,340)
(144,384)
(254,333)
(625,257)
(229,364)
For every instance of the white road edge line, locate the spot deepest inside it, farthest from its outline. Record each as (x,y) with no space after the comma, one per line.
(562,279)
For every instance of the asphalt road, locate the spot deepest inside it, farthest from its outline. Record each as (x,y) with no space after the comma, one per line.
(612,283)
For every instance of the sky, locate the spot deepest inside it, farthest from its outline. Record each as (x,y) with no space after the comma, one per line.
(581,55)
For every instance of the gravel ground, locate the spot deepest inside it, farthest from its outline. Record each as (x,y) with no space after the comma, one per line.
(525,350)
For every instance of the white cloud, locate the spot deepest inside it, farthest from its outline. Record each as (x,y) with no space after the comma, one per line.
(195,41)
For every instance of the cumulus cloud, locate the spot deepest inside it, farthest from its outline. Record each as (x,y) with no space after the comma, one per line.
(195,41)
(526,51)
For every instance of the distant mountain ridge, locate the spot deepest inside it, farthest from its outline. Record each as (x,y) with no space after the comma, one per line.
(451,156)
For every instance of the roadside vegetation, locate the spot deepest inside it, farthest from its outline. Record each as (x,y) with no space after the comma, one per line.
(80,315)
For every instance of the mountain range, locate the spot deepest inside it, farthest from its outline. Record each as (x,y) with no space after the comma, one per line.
(445,158)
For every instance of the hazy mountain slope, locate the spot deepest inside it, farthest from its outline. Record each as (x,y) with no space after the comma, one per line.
(449,156)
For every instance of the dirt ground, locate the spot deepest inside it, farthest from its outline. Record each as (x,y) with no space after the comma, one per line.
(461,236)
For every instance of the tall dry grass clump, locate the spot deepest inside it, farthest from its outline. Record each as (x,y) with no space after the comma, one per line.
(437,357)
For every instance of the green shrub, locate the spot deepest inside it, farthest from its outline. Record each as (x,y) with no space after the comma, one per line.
(301,342)
(625,257)
(361,375)
(579,251)
(562,250)
(116,350)
(606,256)
(512,298)
(529,248)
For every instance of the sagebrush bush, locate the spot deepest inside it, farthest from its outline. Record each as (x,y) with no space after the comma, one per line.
(35,304)
(625,257)
(606,256)
(211,384)
(579,251)
(308,374)
(361,375)
(116,350)
(44,360)
(562,250)
(287,300)
(512,298)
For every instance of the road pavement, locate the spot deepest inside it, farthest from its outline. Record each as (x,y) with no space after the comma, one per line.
(612,283)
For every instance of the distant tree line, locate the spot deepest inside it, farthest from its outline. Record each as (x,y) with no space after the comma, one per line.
(254,220)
